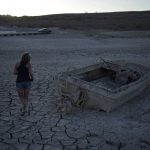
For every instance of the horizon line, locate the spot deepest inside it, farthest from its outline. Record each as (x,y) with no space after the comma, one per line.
(75,13)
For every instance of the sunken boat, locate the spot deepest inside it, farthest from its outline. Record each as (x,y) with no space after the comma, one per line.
(105,85)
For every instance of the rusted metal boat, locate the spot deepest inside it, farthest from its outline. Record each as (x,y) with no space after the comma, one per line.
(104,86)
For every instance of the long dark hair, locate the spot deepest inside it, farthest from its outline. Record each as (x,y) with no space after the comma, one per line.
(25,58)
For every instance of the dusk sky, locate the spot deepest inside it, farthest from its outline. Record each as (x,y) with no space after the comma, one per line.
(45,7)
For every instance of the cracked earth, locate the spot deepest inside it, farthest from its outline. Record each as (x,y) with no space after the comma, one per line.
(126,128)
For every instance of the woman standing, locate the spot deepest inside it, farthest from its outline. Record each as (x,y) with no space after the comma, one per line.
(23,70)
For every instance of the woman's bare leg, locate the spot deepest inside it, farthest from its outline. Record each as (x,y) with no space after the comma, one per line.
(21,94)
(26,95)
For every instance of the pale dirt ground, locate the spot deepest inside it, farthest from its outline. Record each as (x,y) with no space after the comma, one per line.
(126,128)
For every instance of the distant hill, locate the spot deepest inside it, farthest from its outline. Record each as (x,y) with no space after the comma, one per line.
(112,21)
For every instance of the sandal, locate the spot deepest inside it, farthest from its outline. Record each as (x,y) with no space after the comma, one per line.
(23,111)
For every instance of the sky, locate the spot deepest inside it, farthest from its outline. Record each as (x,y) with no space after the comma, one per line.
(46,7)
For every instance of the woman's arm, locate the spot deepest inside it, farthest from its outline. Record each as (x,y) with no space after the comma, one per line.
(30,71)
(16,69)
(30,68)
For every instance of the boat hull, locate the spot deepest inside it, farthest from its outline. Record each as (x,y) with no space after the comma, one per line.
(83,88)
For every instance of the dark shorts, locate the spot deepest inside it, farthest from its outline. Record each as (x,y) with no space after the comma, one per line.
(23,85)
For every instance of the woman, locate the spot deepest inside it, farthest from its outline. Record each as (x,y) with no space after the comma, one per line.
(23,70)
